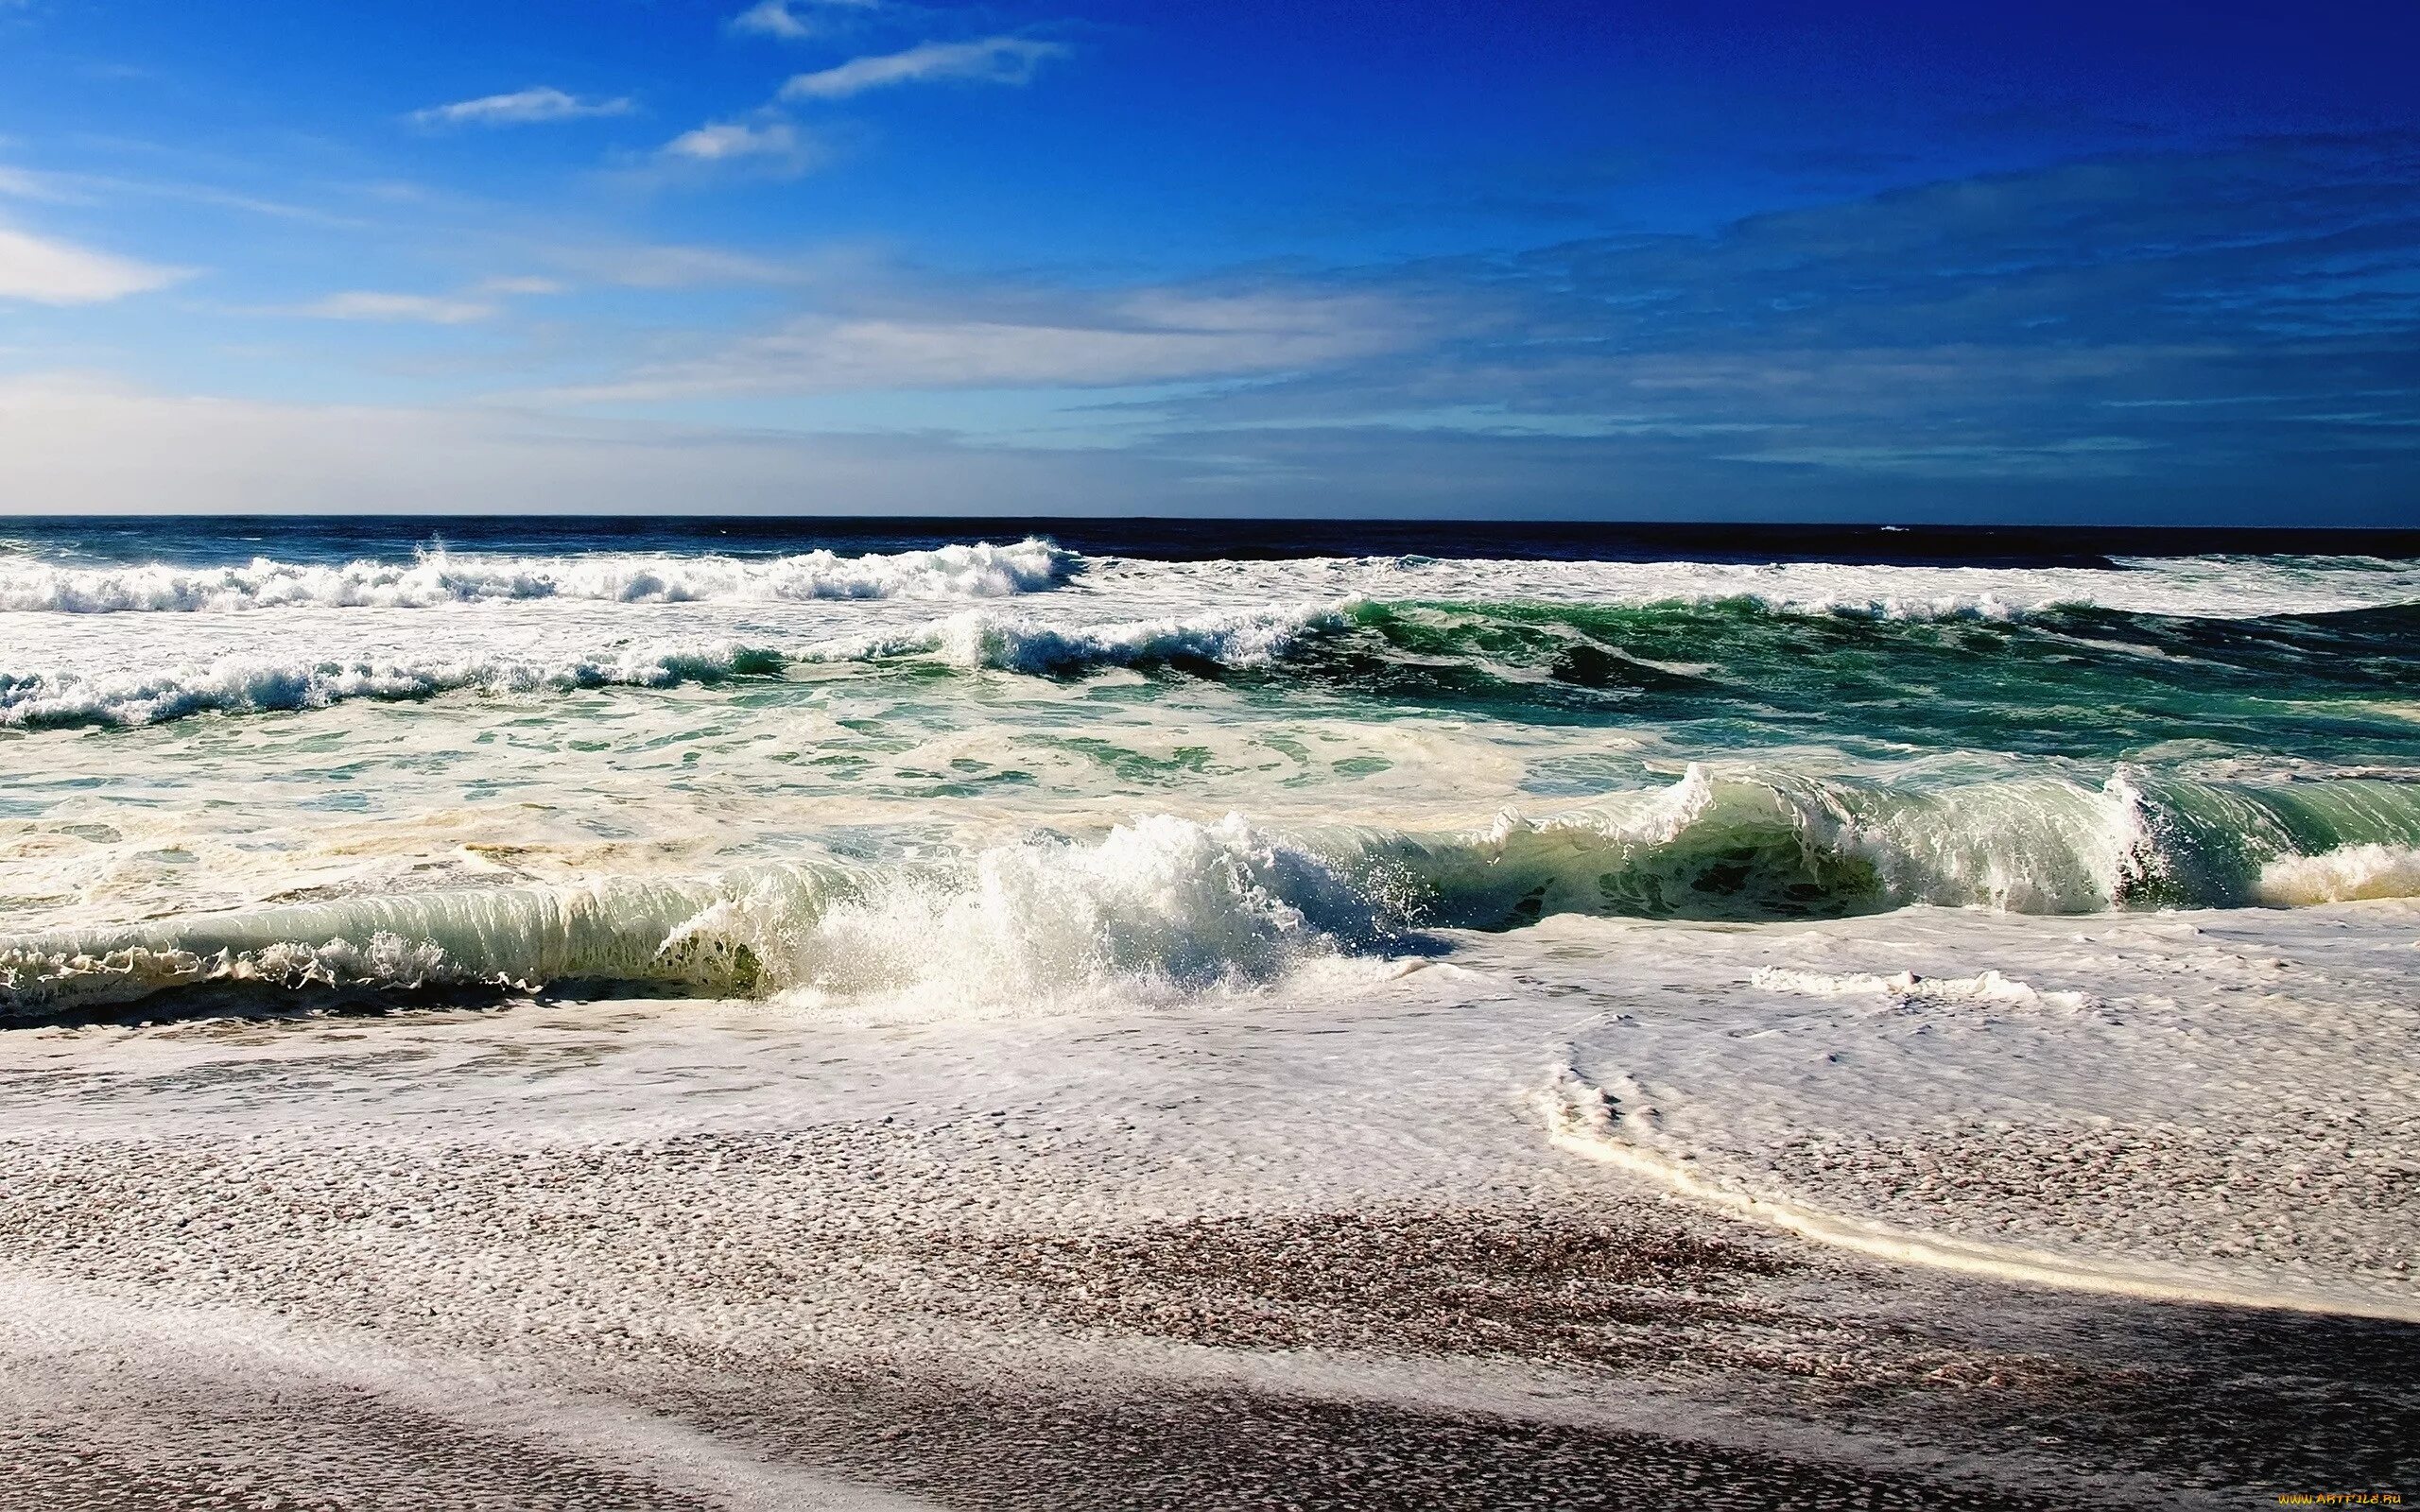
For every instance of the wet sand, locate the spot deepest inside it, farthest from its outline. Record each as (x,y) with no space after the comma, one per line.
(877,1315)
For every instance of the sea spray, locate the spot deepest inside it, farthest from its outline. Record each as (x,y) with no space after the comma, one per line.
(242,686)
(432,577)
(1158,908)
(1163,906)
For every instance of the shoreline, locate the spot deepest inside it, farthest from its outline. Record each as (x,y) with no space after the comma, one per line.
(821,1264)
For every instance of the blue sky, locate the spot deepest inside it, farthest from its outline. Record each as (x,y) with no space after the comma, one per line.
(2050,262)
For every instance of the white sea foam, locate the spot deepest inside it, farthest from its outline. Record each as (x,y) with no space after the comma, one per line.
(2342,875)
(2226,1113)
(1580,1118)
(1907,987)
(2213,588)
(981,570)
(1157,908)
(250,684)
(32,977)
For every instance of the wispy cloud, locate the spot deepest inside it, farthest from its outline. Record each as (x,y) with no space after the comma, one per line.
(424,309)
(2155,326)
(767,145)
(1141,336)
(991,60)
(100,188)
(46,271)
(21,184)
(525,106)
(784,18)
(522,284)
(675,267)
(733,139)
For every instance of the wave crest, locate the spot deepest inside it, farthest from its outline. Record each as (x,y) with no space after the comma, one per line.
(253,685)
(980,570)
(1158,908)
(1161,907)
(1165,906)
(2343,875)
(982,639)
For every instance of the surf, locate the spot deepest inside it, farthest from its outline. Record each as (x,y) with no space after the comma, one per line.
(1163,906)
(435,577)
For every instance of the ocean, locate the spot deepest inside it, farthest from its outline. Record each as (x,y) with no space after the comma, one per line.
(2033,909)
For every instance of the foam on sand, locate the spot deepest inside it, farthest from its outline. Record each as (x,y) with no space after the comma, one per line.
(1579,1120)
(2226,1115)
(1907,987)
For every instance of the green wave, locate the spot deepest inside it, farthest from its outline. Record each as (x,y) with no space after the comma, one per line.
(2091,683)
(1167,905)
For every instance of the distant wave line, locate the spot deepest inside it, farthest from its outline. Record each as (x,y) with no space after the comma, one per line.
(432,577)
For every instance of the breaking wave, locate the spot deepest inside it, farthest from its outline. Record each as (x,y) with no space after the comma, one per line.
(1768,845)
(253,685)
(981,570)
(1541,650)
(2012,686)
(1159,907)
(1234,641)
(1167,906)
(2343,875)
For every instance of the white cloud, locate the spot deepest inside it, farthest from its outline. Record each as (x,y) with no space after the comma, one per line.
(678,266)
(675,267)
(781,18)
(521,284)
(520,107)
(369,305)
(732,139)
(992,61)
(1141,337)
(776,146)
(54,272)
(100,188)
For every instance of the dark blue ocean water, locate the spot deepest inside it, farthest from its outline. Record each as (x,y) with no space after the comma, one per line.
(203,541)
